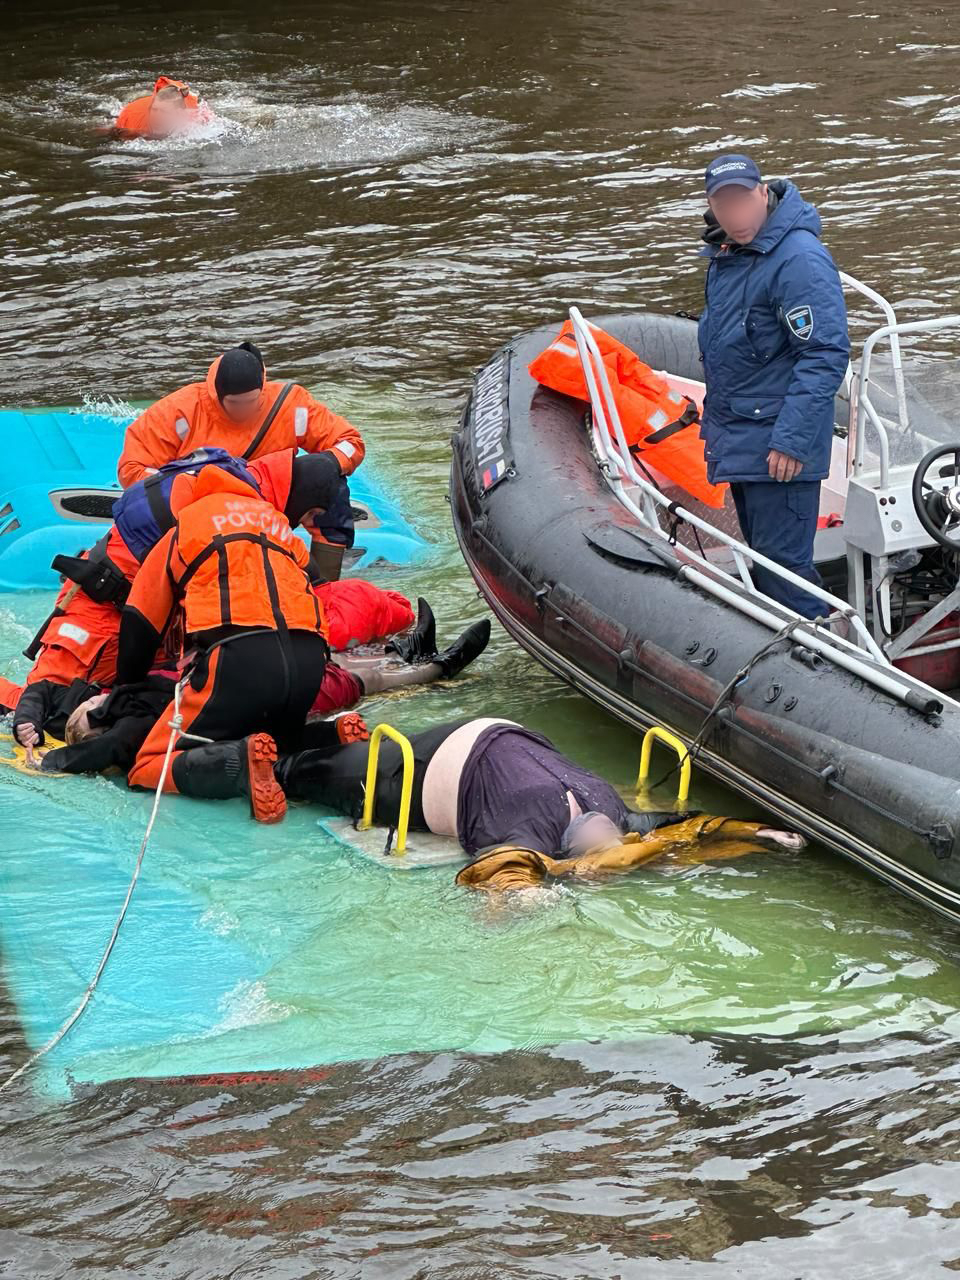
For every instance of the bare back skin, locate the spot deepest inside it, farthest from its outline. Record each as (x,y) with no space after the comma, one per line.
(441,782)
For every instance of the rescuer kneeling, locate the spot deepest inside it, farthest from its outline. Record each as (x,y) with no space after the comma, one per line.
(253,627)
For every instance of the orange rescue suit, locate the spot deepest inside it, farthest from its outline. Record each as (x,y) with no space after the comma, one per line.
(81,644)
(231,560)
(193,418)
(135,116)
(657,420)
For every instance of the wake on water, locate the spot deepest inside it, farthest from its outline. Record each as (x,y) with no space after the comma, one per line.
(247,136)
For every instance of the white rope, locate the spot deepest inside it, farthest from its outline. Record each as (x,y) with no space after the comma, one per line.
(176,731)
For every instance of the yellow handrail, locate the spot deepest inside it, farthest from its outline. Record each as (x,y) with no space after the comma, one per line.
(671,740)
(406,791)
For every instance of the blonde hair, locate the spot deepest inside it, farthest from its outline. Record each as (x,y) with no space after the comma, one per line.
(74,732)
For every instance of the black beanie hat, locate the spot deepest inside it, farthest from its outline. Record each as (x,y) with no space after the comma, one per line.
(240,369)
(314,482)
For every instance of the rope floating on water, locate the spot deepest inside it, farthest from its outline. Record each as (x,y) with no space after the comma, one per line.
(176,731)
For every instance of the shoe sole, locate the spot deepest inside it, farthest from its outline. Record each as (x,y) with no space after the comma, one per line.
(352,728)
(267,802)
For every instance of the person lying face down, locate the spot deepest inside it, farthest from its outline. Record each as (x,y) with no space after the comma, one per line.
(519,806)
(172,108)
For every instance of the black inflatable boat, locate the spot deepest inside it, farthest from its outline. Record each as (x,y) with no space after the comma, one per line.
(619,589)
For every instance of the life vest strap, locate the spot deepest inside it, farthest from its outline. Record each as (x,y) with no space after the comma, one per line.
(213,548)
(268,421)
(690,415)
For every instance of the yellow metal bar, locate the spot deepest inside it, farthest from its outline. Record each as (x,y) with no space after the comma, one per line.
(406,791)
(683,754)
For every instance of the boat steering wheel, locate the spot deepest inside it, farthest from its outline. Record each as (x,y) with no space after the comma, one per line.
(936,495)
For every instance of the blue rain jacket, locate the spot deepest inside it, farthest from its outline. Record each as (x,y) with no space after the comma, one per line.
(774,344)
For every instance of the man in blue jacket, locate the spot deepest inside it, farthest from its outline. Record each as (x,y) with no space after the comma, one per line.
(773,338)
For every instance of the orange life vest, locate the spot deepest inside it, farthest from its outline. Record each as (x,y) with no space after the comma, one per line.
(135,116)
(242,564)
(658,421)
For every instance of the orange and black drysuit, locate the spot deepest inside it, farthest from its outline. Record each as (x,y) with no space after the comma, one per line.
(77,646)
(234,566)
(78,643)
(193,417)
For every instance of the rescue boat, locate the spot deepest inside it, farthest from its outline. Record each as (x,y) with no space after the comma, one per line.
(640,596)
(61,485)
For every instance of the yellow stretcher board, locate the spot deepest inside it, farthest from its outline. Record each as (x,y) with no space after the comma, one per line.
(423,849)
(15,757)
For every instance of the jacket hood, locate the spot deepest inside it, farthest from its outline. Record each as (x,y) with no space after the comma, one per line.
(191,100)
(274,473)
(213,479)
(786,211)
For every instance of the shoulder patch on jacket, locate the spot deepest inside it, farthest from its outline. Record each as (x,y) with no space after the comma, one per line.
(800,321)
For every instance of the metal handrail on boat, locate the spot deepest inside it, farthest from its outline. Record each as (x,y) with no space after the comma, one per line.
(865,407)
(896,357)
(738,592)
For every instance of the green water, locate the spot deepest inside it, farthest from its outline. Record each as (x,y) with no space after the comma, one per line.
(349,961)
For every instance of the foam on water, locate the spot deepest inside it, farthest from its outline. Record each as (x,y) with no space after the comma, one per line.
(248,135)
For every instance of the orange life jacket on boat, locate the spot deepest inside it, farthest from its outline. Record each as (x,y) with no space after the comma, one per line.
(135,116)
(658,421)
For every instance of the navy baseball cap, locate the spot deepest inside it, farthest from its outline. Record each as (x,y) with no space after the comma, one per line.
(735,170)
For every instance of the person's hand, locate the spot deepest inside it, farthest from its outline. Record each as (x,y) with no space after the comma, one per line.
(781,466)
(34,759)
(26,734)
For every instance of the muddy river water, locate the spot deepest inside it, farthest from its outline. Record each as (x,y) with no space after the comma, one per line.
(753,1071)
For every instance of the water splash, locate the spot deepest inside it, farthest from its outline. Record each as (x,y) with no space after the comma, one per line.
(104,405)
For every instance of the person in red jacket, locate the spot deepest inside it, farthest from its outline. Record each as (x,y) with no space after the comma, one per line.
(236,408)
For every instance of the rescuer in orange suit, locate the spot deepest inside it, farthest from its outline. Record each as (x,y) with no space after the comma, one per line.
(236,409)
(171,108)
(234,566)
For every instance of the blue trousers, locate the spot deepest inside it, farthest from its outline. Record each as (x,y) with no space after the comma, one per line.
(780,521)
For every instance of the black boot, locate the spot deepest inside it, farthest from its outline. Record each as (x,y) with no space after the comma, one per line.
(464,649)
(420,644)
(228,770)
(217,771)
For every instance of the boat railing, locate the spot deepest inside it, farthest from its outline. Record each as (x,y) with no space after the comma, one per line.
(865,408)
(896,360)
(736,590)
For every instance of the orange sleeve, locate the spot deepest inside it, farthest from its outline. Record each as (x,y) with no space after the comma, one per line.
(151,440)
(148,611)
(152,593)
(327,430)
(300,552)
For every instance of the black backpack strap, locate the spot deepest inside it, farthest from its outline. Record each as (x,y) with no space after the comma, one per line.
(267,423)
(159,506)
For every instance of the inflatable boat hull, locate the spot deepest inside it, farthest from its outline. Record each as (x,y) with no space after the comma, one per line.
(576,581)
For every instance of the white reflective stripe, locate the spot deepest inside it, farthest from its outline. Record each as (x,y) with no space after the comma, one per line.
(657,420)
(182,426)
(300,422)
(70,631)
(676,397)
(563,349)
(346,448)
